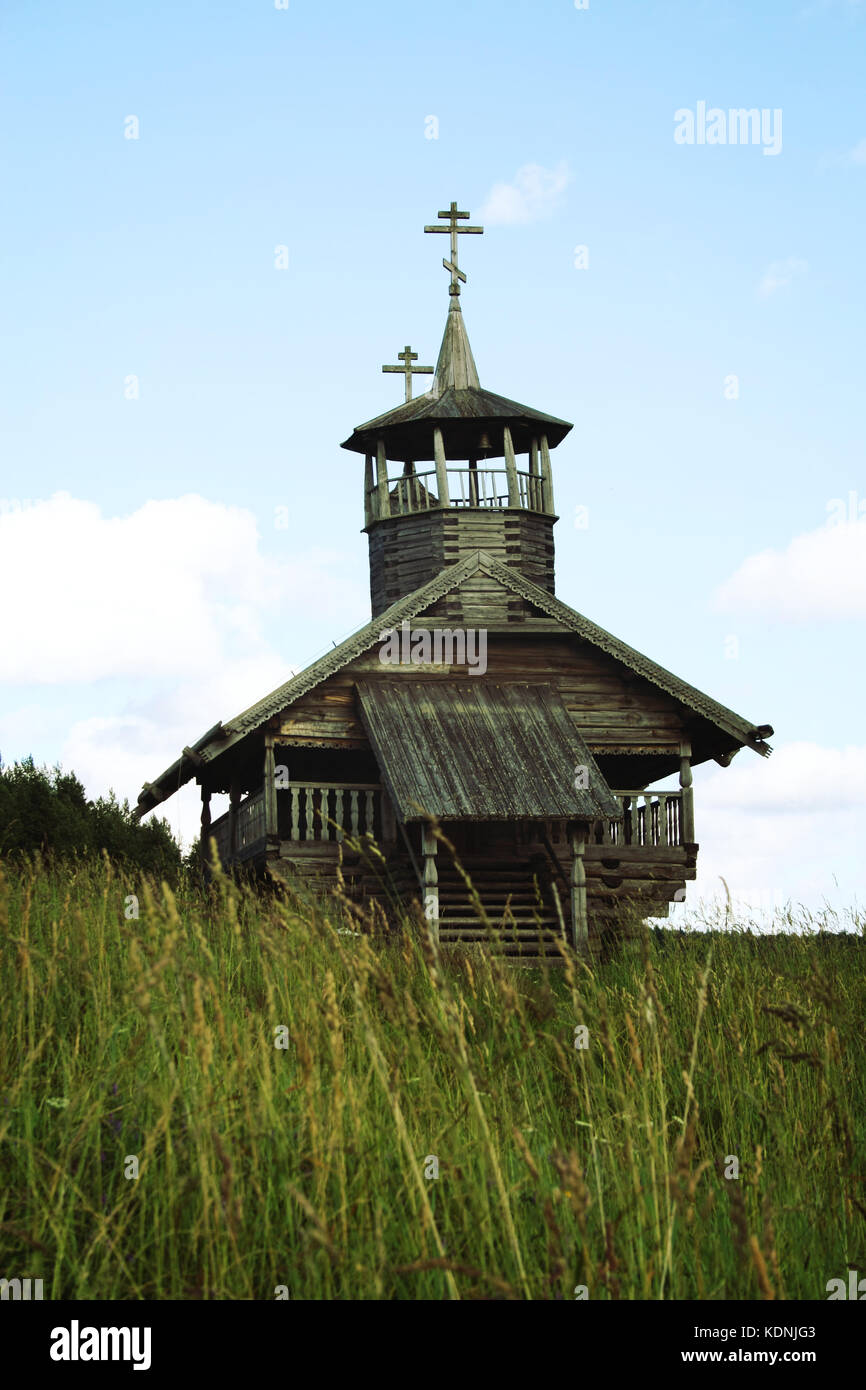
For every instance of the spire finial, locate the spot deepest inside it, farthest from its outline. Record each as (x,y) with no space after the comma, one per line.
(452,216)
(407,357)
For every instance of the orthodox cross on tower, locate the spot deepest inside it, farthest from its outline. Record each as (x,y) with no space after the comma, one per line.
(452,215)
(407,357)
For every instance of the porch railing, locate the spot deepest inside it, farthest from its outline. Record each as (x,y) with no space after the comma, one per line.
(321,813)
(316,812)
(468,487)
(249,827)
(648,819)
(307,812)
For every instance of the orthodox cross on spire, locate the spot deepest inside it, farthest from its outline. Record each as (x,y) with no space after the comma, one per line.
(452,215)
(407,357)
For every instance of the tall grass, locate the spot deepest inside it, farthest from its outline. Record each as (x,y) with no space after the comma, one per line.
(311,1166)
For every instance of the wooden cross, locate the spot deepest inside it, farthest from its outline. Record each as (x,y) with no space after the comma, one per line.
(452,215)
(407,357)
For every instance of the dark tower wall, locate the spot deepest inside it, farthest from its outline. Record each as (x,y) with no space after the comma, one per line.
(408,551)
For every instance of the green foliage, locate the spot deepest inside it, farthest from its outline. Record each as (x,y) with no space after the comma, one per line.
(47,811)
(304,1166)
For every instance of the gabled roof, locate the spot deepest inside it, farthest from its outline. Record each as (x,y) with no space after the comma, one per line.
(225,736)
(507,755)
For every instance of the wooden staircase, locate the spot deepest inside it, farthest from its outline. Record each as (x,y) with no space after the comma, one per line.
(517,902)
(624,884)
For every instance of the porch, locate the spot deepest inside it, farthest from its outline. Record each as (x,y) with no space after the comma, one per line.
(534,878)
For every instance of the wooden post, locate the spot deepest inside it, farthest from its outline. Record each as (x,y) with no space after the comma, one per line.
(389,823)
(546,477)
(534,479)
(234,802)
(687,829)
(383,501)
(473,482)
(407,487)
(204,844)
(511,469)
(369,492)
(270,789)
(579,919)
(441,468)
(663,820)
(431,881)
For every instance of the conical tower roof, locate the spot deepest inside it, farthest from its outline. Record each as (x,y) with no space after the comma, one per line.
(455,367)
(460,405)
(456,402)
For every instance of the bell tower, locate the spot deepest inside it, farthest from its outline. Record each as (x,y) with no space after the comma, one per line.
(457,468)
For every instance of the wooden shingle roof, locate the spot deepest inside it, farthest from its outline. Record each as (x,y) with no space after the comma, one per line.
(473,750)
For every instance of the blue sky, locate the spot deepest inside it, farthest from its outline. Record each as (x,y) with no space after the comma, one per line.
(141,618)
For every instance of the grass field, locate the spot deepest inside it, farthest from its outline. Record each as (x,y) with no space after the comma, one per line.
(310,1167)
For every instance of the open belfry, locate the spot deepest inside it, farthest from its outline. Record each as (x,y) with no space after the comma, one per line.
(476,710)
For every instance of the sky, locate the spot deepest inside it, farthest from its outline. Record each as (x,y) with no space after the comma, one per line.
(212,242)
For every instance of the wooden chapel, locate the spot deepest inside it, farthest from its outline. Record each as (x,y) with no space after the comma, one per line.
(475,700)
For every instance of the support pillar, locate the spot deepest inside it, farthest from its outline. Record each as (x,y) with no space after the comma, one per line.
(535,500)
(369,491)
(204,843)
(579,916)
(511,469)
(431,881)
(441,468)
(383,501)
(270,789)
(234,802)
(389,823)
(687,804)
(546,478)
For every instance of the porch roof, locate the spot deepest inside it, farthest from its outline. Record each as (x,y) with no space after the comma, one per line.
(475,750)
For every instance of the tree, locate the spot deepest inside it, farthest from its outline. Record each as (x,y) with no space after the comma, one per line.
(48,810)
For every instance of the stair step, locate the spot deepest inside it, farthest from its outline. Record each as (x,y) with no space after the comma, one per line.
(526,939)
(447,923)
(515,953)
(527,920)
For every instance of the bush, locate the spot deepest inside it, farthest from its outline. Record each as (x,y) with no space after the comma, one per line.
(48,811)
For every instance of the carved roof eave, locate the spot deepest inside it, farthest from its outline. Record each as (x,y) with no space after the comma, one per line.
(225,736)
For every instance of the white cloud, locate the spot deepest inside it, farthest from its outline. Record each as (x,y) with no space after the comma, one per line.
(858,154)
(176,587)
(533,194)
(779,275)
(122,751)
(787,829)
(820,576)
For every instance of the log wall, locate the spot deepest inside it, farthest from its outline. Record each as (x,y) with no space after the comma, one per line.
(613,710)
(408,551)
